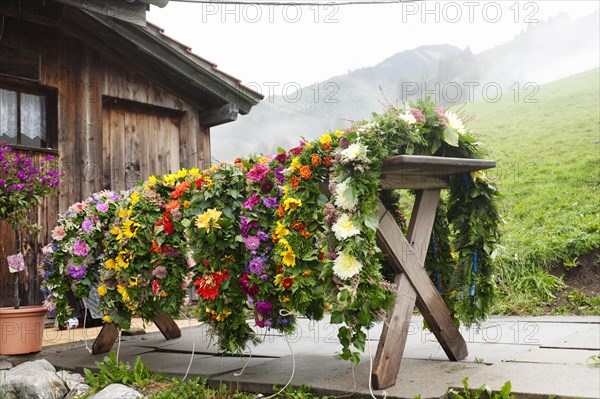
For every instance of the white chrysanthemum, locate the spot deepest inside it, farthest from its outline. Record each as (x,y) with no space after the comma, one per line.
(344,227)
(353,152)
(346,266)
(454,122)
(341,199)
(408,118)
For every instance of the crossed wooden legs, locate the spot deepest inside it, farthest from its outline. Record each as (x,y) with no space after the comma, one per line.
(407,255)
(109,333)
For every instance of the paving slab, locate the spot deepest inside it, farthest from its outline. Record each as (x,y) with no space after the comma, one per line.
(80,358)
(588,339)
(332,376)
(535,380)
(204,366)
(556,356)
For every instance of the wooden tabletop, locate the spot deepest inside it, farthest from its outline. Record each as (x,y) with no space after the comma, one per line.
(425,172)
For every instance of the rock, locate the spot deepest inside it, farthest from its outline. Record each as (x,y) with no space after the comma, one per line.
(77,391)
(41,364)
(71,380)
(32,380)
(4,365)
(117,391)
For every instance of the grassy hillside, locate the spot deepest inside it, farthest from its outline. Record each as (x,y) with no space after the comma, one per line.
(548,155)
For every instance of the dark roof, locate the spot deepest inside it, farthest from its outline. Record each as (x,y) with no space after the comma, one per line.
(172,61)
(164,58)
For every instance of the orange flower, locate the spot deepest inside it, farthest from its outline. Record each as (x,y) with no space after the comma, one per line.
(326,146)
(280,210)
(180,189)
(305,234)
(156,248)
(305,172)
(172,205)
(186,204)
(294,182)
(307,273)
(327,161)
(298,225)
(315,160)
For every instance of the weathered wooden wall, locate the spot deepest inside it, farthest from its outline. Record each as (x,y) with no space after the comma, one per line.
(84,78)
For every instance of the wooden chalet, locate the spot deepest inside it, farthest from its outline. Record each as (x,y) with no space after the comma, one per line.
(109,94)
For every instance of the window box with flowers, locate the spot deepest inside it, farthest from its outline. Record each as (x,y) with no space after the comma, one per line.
(23,184)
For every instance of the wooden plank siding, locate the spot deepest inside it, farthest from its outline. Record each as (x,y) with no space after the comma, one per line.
(85,77)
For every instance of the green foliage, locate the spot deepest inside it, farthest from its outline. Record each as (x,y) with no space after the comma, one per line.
(483,391)
(111,371)
(578,303)
(547,155)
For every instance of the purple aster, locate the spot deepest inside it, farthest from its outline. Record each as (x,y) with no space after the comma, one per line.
(102,207)
(270,202)
(80,248)
(279,174)
(283,321)
(77,271)
(263,307)
(86,225)
(252,243)
(264,277)
(245,226)
(257,264)
(258,172)
(252,202)
(263,236)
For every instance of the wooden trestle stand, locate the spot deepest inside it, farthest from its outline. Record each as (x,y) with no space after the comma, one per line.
(427,176)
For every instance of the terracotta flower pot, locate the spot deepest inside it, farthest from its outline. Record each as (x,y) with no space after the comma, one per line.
(21,330)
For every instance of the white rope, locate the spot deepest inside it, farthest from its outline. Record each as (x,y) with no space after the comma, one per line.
(193,348)
(293,369)
(85,329)
(371,367)
(237,374)
(119,345)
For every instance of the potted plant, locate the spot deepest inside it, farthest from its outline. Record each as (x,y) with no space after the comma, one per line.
(23,184)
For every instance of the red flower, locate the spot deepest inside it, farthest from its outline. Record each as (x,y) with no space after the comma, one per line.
(327,161)
(155,287)
(209,286)
(155,247)
(180,189)
(326,146)
(199,183)
(287,282)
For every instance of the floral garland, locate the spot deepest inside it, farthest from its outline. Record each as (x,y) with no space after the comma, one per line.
(269,238)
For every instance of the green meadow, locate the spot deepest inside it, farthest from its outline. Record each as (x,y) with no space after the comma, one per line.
(546,142)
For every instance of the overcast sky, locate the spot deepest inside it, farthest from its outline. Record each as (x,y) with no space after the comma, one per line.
(307,44)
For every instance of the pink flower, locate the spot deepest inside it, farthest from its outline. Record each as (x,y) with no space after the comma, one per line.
(258,172)
(58,233)
(102,207)
(49,305)
(76,207)
(80,248)
(160,272)
(418,115)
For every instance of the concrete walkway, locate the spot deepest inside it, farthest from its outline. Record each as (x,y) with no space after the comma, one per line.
(540,356)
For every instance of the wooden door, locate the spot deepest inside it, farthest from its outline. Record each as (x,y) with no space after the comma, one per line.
(138,141)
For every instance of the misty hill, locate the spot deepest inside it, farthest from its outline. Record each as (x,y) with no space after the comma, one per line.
(546,51)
